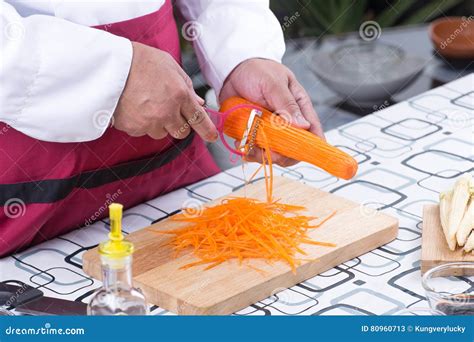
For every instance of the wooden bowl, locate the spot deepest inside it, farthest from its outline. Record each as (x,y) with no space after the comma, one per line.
(453,37)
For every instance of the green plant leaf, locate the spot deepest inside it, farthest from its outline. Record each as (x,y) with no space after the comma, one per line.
(355,16)
(430,11)
(392,13)
(320,13)
(338,16)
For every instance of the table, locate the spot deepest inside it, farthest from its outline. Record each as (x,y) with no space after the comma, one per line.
(407,153)
(334,110)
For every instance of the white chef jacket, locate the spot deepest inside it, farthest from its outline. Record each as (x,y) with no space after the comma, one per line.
(57,73)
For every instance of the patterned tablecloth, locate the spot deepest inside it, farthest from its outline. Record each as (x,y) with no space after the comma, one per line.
(407,153)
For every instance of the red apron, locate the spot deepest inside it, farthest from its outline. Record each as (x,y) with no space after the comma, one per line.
(47,189)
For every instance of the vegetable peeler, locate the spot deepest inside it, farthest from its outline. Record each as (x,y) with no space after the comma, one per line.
(248,137)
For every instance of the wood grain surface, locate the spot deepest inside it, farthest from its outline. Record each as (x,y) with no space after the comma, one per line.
(434,248)
(229,287)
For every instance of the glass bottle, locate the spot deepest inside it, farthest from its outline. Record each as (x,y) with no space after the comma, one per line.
(117,296)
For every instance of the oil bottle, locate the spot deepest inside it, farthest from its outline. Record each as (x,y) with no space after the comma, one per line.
(117,295)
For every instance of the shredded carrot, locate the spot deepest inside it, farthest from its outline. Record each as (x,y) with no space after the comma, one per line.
(267,159)
(252,229)
(243,228)
(255,173)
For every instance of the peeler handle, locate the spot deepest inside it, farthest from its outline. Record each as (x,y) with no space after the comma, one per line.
(221,119)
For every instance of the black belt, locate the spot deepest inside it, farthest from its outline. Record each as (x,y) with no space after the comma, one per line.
(52,190)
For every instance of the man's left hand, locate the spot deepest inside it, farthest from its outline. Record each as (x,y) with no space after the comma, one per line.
(273,86)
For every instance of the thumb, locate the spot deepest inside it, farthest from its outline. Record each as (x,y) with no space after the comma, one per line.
(282,102)
(199,99)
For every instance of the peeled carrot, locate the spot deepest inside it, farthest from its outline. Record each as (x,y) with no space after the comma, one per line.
(289,141)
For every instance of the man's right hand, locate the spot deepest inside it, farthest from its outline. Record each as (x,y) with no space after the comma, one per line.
(159,99)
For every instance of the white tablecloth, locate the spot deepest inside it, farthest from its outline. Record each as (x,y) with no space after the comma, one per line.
(407,153)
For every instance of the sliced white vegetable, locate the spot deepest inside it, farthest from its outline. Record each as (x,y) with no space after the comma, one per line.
(444,208)
(469,246)
(461,195)
(466,225)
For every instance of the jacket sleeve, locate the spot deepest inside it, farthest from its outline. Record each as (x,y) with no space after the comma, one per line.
(225,33)
(59,81)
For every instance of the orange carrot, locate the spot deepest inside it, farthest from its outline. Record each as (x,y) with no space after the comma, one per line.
(243,229)
(289,141)
(267,160)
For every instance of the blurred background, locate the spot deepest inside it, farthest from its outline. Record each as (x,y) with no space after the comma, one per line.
(325,17)
(355,57)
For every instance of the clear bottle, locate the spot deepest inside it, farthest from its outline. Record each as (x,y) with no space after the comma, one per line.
(117,295)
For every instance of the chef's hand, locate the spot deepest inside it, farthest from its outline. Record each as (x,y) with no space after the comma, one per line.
(159,99)
(273,86)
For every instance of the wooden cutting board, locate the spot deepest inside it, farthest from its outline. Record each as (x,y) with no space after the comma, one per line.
(434,248)
(229,287)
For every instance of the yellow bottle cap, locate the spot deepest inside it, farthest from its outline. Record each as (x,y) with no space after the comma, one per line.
(116,246)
